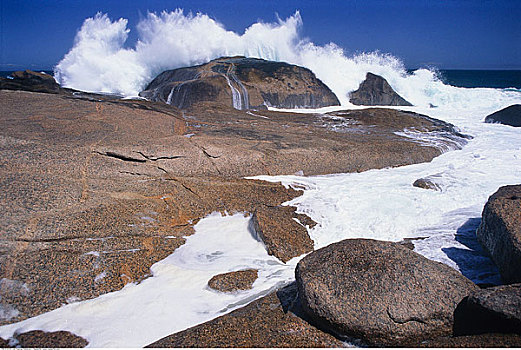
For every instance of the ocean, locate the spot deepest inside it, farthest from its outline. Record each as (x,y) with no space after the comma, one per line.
(497,79)
(378,204)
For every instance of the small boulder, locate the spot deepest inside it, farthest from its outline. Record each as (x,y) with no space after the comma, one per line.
(427,184)
(510,115)
(380,292)
(283,237)
(376,91)
(500,231)
(490,310)
(234,281)
(40,339)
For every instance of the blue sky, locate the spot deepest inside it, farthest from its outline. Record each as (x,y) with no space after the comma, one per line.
(457,34)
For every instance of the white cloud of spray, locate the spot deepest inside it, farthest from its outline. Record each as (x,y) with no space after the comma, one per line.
(100,62)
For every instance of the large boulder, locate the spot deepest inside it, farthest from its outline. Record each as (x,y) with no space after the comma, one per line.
(380,292)
(490,310)
(270,321)
(510,115)
(243,83)
(500,231)
(30,81)
(376,91)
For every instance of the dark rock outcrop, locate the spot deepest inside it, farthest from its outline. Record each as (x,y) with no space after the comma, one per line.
(510,115)
(40,339)
(268,322)
(376,91)
(30,81)
(500,231)
(243,83)
(490,310)
(283,237)
(489,340)
(380,292)
(234,281)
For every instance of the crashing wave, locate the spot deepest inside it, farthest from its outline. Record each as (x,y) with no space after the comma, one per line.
(99,61)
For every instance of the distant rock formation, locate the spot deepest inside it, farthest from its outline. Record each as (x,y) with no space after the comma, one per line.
(500,231)
(510,115)
(380,292)
(243,83)
(376,91)
(30,81)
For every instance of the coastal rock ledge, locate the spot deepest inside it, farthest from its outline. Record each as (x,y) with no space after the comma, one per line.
(500,231)
(243,83)
(380,292)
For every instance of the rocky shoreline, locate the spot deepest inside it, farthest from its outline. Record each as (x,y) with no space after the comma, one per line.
(96,189)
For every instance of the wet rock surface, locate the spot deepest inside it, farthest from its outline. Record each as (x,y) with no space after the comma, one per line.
(283,237)
(427,184)
(270,321)
(510,115)
(380,292)
(500,231)
(234,281)
(242,83)
(376,91)
(490,310)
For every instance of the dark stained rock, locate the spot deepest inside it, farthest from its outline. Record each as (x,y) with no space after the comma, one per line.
(265,323)
(500,231)
(283,237)
(30,81)
(243,83)
(376,91)
(490,310)
(489,340)
(61,339)
(510,115)
(234,281)
(427,184)
(380,292)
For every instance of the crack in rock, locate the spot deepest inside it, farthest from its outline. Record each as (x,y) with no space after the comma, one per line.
(121,157)
(404,321)
(152,158)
